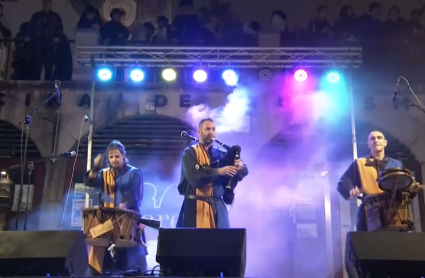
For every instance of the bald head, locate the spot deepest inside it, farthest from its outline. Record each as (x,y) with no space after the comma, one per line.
(376,142)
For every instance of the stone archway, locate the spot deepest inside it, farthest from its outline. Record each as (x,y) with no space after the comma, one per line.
(146,137)
(10,138)
(338,141)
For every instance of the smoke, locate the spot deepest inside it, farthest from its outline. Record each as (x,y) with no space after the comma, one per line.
(232,117)
(281,201)
(281,204)
(42,217)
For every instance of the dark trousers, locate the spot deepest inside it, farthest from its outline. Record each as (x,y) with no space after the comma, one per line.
(44,57)
(133,258)
(361,219)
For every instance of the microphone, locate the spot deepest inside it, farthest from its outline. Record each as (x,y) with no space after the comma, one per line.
(184,134)
(66,154)
(237,150)
(58,93)
(396,89)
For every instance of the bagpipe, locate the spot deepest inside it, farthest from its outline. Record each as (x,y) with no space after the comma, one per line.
(233,153)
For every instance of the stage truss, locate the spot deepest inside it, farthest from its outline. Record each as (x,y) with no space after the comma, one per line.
(217,57)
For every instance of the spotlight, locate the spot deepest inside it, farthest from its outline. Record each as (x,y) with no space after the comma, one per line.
(230,77)
(137,75)
(169,74)
(104,74)
(300,75)
(333,77)
(200,76)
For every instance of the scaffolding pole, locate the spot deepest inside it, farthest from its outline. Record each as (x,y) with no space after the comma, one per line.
(90,135)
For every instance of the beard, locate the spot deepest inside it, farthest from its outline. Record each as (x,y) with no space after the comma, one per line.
(116,165)
(207,140)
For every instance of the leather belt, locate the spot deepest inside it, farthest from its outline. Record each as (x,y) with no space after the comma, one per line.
(211,201)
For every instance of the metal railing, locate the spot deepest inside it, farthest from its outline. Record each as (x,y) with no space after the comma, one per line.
(7,57)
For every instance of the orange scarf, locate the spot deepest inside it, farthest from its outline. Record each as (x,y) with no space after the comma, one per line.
(204,212)
(368,176)
(97,253)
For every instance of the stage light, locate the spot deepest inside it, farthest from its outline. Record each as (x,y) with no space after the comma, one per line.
(300,75)
(104,74)
(200,76)
(137,75)
(230,77)
(333,77)
(169,74)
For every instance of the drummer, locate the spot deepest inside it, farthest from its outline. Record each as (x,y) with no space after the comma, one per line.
(362,175)
(124,186)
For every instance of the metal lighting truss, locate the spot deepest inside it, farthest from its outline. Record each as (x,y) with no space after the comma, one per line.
(216,57)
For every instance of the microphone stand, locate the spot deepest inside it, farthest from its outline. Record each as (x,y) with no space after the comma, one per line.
(417,106)
(30,168)
(27,122)
(412,104)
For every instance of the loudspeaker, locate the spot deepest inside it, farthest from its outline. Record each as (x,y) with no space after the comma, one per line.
(40,253)
(376,254)
(202,252)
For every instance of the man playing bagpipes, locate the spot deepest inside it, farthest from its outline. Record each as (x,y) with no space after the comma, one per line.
(205,182)
(123,184)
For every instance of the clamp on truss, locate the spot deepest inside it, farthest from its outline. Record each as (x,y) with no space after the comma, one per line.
(216,57)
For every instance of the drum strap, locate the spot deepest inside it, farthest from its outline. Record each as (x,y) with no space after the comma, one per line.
(204,212)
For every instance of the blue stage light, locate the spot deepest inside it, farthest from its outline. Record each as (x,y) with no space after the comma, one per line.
(104,74)
(137,75)
(333,77)
(230,77)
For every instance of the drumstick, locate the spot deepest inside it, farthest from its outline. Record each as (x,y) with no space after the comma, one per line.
(154,224)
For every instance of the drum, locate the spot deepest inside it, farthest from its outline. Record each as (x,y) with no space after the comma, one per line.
(384,213)
(124,222)
(395,179)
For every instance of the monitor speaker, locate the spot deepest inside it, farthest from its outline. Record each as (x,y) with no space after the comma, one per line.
(41,253)
(385,254)
(202,252)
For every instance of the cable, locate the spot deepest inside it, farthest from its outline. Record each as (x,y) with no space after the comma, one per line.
(153,270)
(73,171)
(413,93)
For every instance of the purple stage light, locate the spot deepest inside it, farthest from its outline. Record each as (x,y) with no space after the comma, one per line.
(300,75)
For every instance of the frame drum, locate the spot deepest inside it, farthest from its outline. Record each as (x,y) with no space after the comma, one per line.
(395,179)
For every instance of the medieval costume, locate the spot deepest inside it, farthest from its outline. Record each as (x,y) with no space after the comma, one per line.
(203,189)
(363,173)
(124,188)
